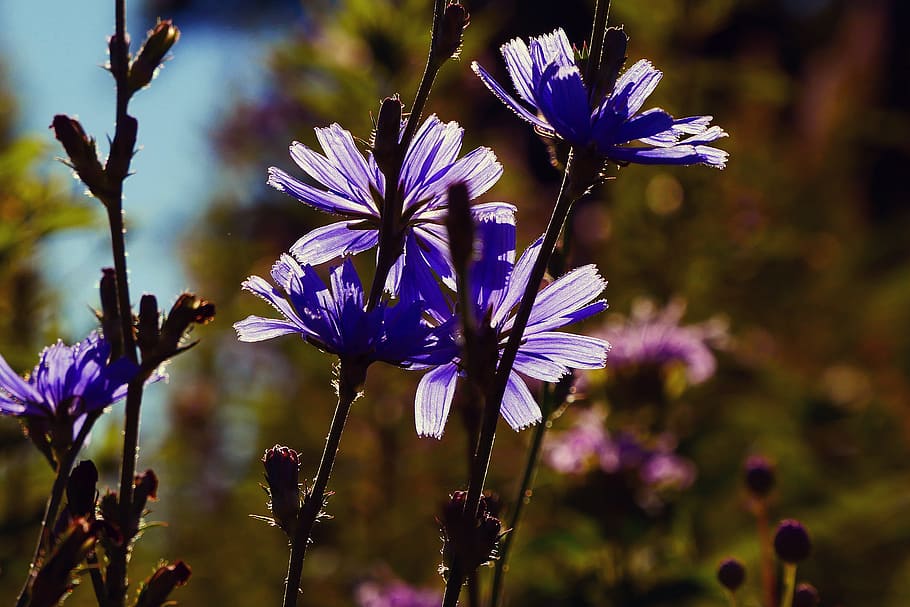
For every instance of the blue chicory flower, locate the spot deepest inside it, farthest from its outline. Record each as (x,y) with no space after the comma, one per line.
(78,378)
(555,100)
(497,284)
(335,320)
(353,187)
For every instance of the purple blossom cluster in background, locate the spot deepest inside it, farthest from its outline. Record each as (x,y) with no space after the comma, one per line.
(395,594)
(587,445)
(650,336)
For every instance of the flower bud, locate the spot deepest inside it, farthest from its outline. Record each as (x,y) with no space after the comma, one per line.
(82,154)
(159,586)
(152,54)
(612,59)
(55,579)
(451,32)
(791,542)
(282,474)
(186,311)
(81,490)
(460,226)
(759,476)
(148,328)
(731,574)
(469,539)
(388,130)
(145,488)
(805,596)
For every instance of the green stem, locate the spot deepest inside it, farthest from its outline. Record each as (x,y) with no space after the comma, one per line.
(312,505)
(789,584)
(53,507)
(522,499)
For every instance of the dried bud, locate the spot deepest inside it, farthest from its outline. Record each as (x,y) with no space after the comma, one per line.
(469,539)
(152,54)
(119,54)
(109,509)
(118,162)
(460,226)
(145,488)
(55,579)
(451,32)
(110,312)
(791,542)
(731,574)
(759,476)
(81,490)
(388,130)
(148,328)
(805,596)
(186,311)
(159,586)
(83,156)
(282,474)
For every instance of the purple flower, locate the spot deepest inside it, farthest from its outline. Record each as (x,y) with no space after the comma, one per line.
(334,320)
(73,380)
(555,100)
(497,284)
(652,337)
(353,187)
(396,594)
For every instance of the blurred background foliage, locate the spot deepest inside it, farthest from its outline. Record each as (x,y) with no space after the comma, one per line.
(800,245)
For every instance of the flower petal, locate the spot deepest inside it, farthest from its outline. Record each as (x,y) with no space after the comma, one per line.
(434,399)
(519,408)
(340,149)
(686,152)
(565,295)
(518,64)
(479,171)
(324,172)
(334,240)
(257,328)
(510,102)
(15,386)
(633,88)
(518,281)
(435,148)
(550,49)
(328,202)
(563,101)
(647,124)
(567,349)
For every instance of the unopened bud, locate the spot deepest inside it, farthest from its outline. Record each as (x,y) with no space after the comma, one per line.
(81,490)
(791,542)
(282,475)
(388,130)
(83,156)
(152,54)
(119,54)
(469,538)
(451,31)
(612,59)
(145,489)
(805,596)
(759,476)
(55,579)
(731,574)
(148,328)
(159,586)
(186,311)
(460,226)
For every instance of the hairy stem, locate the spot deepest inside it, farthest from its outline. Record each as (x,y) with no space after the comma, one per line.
(312,505)
(493,404)
(53,506)
(391,233)
(599,28)
(522,499)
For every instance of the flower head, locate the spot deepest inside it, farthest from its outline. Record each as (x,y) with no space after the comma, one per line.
(655,337)
(68,380)
(497,283)
(556,101)
(353,187)
(334,318)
